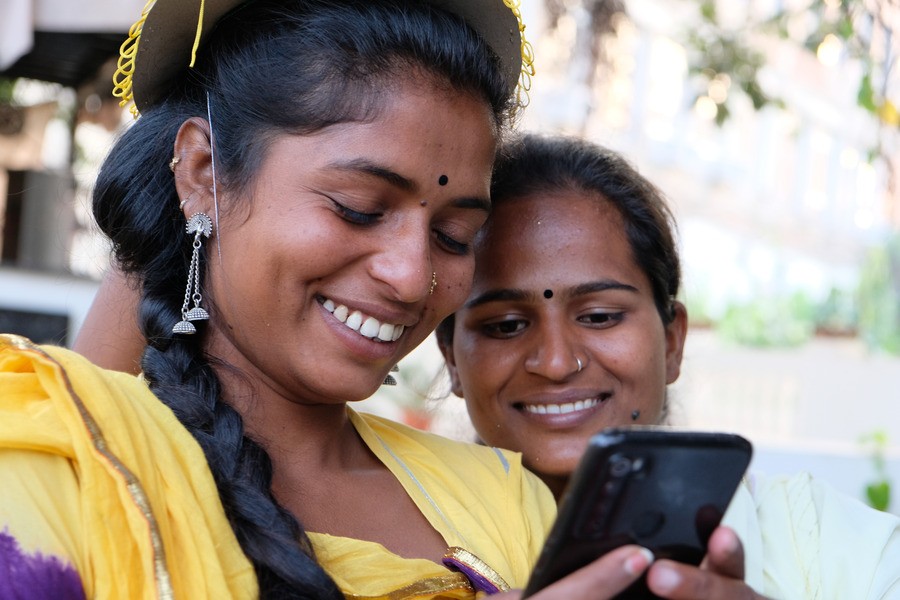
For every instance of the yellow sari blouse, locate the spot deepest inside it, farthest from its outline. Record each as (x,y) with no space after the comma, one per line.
(106,495)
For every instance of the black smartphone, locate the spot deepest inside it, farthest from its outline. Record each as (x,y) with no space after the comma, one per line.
(664,489)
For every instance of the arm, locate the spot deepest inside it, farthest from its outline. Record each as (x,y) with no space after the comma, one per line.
(110,336)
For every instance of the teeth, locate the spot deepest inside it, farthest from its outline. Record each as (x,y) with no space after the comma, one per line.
(354,321)
(370,328)
(340,313)
(386,332)
(367,326)
(562,409)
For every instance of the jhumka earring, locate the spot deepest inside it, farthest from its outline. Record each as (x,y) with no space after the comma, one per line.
(390,379)
(433,283)
(201,226)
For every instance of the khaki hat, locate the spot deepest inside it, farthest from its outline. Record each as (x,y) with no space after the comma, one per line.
(165,39)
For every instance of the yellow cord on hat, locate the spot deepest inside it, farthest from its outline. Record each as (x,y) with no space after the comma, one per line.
(197,37)
(123,86)
(524,86)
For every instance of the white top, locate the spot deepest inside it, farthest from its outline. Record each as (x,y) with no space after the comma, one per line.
(805,540)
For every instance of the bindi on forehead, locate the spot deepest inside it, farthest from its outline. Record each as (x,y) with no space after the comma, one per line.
(548,294)
(443,180)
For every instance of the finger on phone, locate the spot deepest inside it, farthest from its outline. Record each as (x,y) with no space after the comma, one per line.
(602,579)
(679,581)
(725,553)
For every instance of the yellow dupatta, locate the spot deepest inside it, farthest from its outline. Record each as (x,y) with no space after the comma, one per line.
(146,502)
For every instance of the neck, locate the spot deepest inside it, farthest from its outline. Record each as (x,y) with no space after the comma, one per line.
(556,483)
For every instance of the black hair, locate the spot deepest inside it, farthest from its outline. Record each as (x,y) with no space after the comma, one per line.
(534,164)
(269,68)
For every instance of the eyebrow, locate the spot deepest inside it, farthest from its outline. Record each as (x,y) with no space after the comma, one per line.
(519,295)
(366,167)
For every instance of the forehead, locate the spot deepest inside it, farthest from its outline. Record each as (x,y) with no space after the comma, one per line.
(553,237)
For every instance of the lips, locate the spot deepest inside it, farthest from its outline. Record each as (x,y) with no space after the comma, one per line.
(365,325)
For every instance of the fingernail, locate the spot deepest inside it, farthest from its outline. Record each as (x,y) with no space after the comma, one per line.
(638,562)
(665,579)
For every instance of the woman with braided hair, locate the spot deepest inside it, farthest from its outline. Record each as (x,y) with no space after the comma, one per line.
(295,205)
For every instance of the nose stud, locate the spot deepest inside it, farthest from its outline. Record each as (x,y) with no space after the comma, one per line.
(580,364)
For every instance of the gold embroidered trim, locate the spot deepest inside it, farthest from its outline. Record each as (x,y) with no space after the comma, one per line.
(427,587)
(138,495)
(479,566)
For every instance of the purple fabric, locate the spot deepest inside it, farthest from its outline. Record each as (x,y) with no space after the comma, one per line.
(478,581)
(34,576)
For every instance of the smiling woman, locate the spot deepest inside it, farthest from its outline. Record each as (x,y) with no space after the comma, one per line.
(572,326)
(296,205)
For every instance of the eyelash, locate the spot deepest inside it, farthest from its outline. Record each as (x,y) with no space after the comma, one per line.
(495,330)
(365,219)
(608,318)
(452,245)
(354,216)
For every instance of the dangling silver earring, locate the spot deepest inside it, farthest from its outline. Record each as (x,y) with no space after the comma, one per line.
(201,226)
(390,379)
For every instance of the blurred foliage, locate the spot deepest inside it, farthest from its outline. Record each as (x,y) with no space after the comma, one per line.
(770,322)
(719,55)
(878,492)
(6,90)
(858,30)
(838,314)
(879,297)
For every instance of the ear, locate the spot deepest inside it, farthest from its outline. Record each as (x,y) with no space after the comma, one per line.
(676,331)
(193,169)
(445,343)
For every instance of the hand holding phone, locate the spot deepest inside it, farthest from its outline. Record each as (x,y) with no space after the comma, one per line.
(664,489)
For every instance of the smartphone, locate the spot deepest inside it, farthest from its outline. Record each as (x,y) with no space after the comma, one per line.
(664,489)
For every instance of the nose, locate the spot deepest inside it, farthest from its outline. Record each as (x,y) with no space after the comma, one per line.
(404,262)
(555,354)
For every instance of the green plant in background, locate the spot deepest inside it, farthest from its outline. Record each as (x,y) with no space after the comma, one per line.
(723,58)
(878,492)
(838,314)
(6,90)
(770,322)
(879,297)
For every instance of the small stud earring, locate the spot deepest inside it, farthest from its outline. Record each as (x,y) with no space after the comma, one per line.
(175,160)
(433,283)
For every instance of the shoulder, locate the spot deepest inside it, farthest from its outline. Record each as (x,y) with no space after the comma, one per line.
(455,454)
(498,510)
(493,474)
